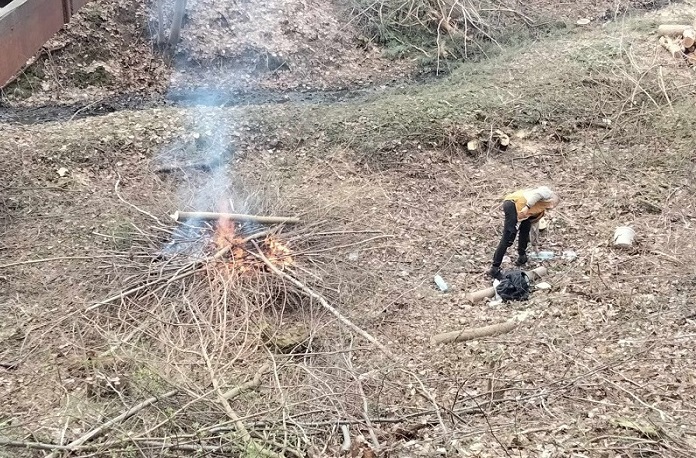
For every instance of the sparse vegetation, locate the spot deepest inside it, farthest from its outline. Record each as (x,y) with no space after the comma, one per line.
(609,84)
(443,32)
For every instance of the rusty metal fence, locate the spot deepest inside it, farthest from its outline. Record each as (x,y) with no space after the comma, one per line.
(25,25)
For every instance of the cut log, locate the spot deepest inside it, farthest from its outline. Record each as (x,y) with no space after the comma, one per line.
(671,30)
(480,295)
(490,292)
(212,216)
(475,333)
(501,137)
(688,37)
(674,48)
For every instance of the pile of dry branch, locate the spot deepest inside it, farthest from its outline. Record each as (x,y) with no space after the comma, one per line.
(217,318)
(445,28)
(679,40)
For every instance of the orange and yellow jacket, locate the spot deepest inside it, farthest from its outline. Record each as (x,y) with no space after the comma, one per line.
(537,200)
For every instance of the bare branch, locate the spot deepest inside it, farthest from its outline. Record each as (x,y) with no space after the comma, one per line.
(114,421)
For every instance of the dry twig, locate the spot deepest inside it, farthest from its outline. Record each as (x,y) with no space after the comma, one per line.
(114,421)
(311,293)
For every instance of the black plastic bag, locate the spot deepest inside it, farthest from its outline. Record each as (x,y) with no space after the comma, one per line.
(514,286)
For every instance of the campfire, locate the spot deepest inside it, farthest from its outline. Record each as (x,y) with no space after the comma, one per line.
(241,242)
(238,244)
(228,243)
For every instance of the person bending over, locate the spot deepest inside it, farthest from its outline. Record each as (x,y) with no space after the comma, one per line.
(524,207)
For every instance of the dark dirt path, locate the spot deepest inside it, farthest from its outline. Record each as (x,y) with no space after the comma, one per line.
(189,98)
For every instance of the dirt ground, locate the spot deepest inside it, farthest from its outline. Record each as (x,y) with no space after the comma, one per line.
(602,365)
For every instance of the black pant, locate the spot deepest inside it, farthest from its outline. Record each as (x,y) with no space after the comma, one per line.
(510,232)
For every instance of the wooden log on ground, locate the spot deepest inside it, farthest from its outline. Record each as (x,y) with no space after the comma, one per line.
(490,292)
(688,37)
(212,216)
(480,295)
(671,30)
(475,333)
(674,48)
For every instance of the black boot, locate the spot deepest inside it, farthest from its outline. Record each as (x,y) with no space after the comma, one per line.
(494,272)
(521,259)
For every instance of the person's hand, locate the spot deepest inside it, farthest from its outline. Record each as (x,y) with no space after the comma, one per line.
(523,214)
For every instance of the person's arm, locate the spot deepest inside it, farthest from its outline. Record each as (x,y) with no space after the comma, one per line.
(536,218)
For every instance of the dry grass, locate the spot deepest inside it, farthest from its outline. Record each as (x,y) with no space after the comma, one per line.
(438,27)
(595,343)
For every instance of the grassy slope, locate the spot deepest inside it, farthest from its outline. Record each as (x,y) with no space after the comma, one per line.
(559,85)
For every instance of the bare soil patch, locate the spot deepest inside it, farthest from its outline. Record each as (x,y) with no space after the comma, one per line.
(108,50)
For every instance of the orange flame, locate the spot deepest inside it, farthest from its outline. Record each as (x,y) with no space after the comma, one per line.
(224,233)
(238,259)
(278,253)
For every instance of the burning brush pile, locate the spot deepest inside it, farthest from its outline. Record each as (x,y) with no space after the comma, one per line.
(235,239)
(228,320)
(239,244)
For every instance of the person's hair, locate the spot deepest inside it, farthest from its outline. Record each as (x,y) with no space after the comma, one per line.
(547,195)
(545,192)
(553,200)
